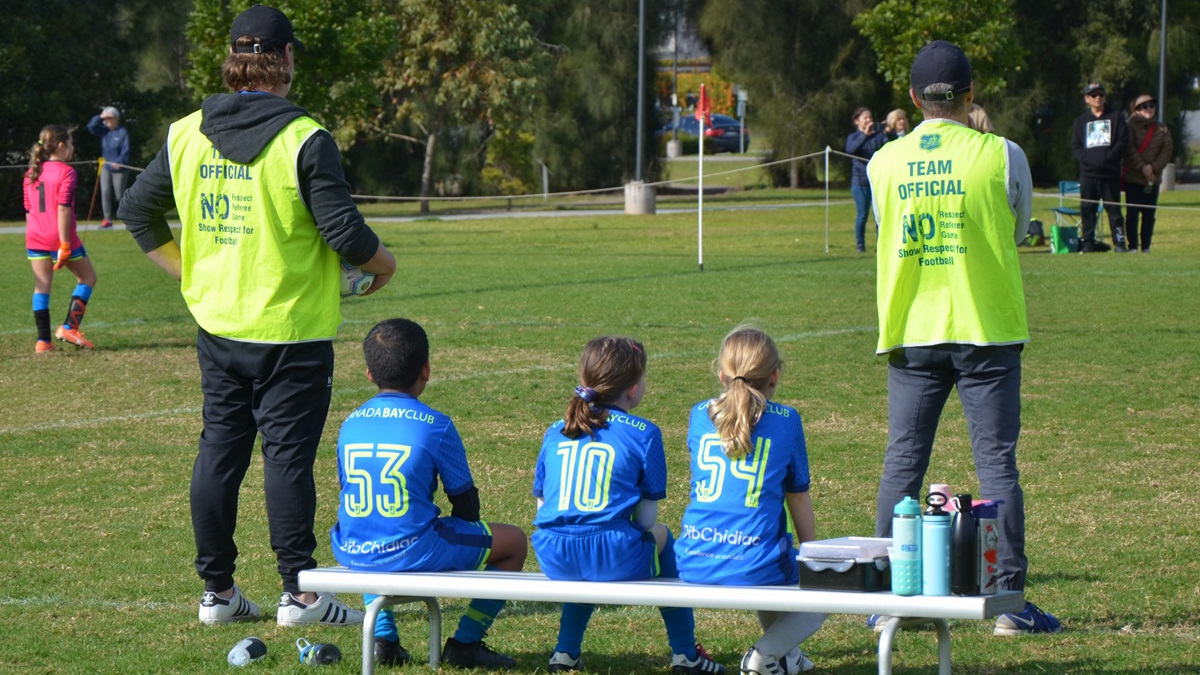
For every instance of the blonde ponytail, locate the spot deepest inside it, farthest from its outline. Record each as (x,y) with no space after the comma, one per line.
(50,138)
(747,360)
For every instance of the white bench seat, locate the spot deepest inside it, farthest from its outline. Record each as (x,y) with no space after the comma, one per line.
(401,587)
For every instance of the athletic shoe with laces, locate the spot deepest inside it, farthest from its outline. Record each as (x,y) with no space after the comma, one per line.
(74,336)
(216,610)
(106,224)
(390,653)
(562,662)
(44,346)
(797,661)
(1029,621)
(475,655)
(757,663)
(327,611)
(701,665)
(878,622)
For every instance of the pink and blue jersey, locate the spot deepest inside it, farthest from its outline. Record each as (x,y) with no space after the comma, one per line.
(734,530)
(392,451)
(54,187)
(599,479)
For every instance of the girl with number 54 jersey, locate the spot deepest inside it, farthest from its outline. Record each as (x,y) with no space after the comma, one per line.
(599,477)
(749,461)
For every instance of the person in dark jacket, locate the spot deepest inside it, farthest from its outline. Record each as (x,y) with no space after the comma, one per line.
(114,149)
(1149,151)
(265,213)
(866,138)
(1099,141)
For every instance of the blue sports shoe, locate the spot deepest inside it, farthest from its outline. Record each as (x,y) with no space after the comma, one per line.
(1030,621)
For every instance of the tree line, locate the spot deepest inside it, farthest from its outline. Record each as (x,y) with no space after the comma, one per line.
(474,96)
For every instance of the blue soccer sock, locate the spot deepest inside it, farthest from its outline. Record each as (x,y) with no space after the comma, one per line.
(480,614)
(385,625)
(41,315)
(571,627)
(667,568)
(681,630)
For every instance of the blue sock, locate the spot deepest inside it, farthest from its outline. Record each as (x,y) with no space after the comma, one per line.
(41,301)
(681,630)
(385,625)
(571,627)
(82,291)
(474,624)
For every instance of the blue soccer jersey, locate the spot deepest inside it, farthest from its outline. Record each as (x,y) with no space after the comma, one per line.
(734,530)
(391,452)
(599,479)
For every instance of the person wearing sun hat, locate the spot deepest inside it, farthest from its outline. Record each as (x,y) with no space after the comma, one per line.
(265,212)
(952,203)
(1148,153)
(114,148)
(1098,141)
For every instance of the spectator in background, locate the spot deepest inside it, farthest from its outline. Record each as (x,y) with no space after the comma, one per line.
(977,119)
(897,124)
(866,138)
(114,150)
(1150,149)
(1100,138)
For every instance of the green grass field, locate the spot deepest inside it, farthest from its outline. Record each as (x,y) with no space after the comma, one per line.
(96,565)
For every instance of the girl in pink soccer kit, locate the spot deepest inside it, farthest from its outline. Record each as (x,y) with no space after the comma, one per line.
(49,193)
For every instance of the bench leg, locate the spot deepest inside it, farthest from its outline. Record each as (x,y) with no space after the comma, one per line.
(372,615)
(887,637)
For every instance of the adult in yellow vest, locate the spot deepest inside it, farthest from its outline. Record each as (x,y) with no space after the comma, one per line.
(951,204)
(265,212)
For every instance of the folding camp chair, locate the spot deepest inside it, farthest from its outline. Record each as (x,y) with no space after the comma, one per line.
(1066,216)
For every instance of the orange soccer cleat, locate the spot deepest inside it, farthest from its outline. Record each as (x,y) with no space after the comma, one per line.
(44,346)
(73,336)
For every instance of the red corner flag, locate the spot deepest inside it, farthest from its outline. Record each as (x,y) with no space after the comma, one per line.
(704,108)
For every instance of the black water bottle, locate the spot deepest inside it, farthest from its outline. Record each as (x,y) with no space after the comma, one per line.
(964,549)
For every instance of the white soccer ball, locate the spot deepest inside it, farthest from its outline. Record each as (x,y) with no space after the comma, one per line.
(355,281)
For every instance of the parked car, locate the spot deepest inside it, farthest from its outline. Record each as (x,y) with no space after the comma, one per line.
(726,132)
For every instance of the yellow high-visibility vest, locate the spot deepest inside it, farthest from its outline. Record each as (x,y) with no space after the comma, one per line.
(255,268)
(947,259)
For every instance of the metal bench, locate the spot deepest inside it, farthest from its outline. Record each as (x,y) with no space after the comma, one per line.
(401,587)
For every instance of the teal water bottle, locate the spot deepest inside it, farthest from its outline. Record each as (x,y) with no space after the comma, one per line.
(906,548)
(935,547)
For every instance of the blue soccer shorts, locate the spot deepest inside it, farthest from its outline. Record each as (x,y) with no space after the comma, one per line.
(614,552)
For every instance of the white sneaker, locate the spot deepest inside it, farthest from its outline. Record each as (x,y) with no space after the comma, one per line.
(797,661)
(561,662)
(758,663)
(702,665)
(215,609)
(327,611)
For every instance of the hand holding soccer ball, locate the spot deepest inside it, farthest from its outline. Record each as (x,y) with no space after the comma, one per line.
(355,281)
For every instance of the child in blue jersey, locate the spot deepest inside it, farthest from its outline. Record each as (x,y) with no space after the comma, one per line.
(391,452)
(599,477)
(748,462)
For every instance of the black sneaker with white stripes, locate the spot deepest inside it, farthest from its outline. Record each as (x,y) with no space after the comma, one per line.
(215,609)
(327,611)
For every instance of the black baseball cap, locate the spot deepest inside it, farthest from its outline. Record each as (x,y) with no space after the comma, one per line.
(1093,88)
(941,62)
(269,27)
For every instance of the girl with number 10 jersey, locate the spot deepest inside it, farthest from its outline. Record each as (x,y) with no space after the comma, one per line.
(599,477)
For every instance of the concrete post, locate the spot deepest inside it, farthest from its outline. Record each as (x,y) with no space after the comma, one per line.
(639,198)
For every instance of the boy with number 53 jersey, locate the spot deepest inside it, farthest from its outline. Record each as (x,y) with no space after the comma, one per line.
(391,452)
